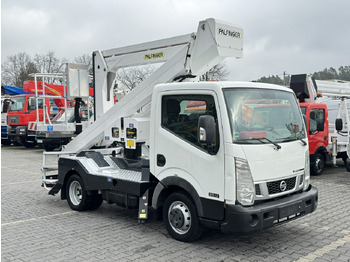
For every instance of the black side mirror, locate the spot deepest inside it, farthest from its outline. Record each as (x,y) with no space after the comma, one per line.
(339,124)
(206,130)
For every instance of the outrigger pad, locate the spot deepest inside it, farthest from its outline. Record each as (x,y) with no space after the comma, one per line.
(96,156)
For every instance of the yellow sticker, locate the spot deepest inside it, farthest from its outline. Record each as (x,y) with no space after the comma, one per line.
(130,143)
(154,56)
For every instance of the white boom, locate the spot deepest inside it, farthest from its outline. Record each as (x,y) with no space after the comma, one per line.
(331,88)
(184,56)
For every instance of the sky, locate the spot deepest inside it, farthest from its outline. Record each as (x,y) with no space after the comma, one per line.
(299,36)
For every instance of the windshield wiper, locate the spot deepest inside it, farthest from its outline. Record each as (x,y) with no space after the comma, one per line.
(293,139)
(261,140)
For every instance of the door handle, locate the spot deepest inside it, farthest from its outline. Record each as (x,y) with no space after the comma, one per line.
(160,160)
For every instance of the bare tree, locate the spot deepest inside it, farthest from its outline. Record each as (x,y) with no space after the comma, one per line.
(16,69)
(49,63)
(128,78)
(85,59)
(219,72)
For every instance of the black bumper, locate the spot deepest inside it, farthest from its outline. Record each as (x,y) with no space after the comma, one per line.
(261,216)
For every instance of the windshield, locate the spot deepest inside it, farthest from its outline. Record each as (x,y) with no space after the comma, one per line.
(17,103)
(263,113)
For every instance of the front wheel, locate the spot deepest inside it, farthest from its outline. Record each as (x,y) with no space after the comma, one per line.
(318,166)
(181,218)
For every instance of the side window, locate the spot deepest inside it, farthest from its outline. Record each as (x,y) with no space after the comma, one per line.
(317,120)
(180,115)
(32,103)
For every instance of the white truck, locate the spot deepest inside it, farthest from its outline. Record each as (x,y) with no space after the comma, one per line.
(191,151)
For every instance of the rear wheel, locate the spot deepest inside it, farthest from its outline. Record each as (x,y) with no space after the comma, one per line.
(318,165)
(96,201)
(181,218)
(77,198)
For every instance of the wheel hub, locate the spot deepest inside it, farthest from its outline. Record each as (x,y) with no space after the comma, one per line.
(176,218)
(179,217)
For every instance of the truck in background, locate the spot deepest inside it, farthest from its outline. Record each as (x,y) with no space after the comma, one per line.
(5,102)
(22,110)
(188,150)
(75,108)
(327,141)
(6,93)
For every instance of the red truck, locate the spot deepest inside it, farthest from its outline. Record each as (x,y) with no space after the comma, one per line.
(316,121)
(318,134)
(22,111)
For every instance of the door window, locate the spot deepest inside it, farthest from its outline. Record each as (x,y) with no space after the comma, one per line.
(180,115)
(317,119)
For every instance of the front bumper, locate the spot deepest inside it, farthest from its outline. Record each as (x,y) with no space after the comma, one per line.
(261,216)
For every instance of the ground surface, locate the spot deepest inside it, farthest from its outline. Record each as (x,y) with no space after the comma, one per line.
(39,227)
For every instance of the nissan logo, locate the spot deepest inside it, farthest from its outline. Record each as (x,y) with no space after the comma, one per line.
(283,186)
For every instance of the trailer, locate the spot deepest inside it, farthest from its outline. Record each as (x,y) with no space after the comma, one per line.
(184,148)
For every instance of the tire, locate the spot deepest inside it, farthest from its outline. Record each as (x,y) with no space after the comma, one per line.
(5,142)
(318,166)
(96,201)
(347,164)
(181,217)
(16,143)
(77,197)
(28,143)
(49,148)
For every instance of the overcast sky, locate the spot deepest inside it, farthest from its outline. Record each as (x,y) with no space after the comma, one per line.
(299,36)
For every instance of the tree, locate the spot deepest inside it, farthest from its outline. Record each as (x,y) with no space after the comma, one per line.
(16,69)
(344,73)
(49,63)
(85,59)
(219,72)
(128,78)
(326,74)
(273,80)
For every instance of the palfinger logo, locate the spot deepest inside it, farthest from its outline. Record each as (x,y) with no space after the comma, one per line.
(230,33)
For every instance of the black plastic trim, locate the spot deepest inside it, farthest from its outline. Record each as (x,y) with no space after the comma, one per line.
(256,218)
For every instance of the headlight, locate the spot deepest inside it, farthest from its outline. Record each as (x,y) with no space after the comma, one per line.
(307,170)
(244,185)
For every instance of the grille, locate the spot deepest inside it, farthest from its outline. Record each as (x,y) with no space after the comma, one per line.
(274,187)
(13,119)
(257,190)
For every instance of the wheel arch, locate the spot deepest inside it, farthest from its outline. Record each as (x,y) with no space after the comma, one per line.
(322,150)
(172,184)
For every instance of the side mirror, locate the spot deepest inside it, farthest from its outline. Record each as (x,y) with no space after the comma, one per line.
(339,124)
(206,129)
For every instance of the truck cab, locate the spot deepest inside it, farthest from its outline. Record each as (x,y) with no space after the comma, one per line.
(244,160)
(318,134)
(22,111)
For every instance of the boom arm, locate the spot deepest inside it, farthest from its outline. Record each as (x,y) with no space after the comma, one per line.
(192,54)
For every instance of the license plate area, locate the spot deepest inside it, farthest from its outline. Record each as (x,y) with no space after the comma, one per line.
(289,210)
